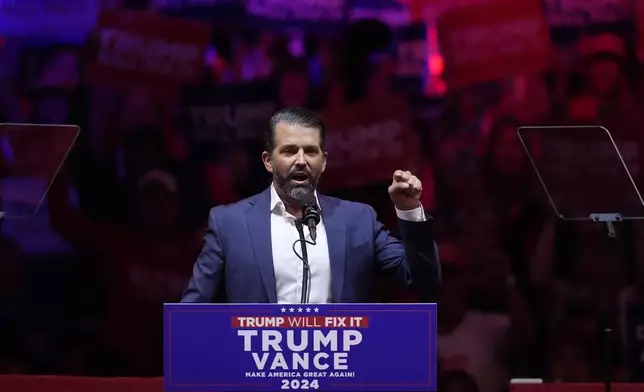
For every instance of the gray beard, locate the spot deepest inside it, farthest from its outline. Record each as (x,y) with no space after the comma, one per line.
(292,191)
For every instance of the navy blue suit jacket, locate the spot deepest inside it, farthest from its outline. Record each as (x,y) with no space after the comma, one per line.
(236,262)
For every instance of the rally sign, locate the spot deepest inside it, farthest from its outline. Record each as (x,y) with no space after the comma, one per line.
(229,113)
(487,42)
(138,48)
(370,140)
(270,347)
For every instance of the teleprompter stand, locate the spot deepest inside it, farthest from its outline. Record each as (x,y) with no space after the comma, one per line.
(585,178)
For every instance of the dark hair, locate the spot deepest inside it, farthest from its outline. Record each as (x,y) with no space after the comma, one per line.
(293,116)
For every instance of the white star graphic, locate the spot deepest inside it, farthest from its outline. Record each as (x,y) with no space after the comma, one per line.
(308,310)
(299,310)
(316,310)
(291,310)
(283,310)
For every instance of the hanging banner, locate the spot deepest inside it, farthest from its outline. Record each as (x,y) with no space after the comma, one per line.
(513,34)
(371,139)
(271,347)
(138,48)
(320,16)
(229,113)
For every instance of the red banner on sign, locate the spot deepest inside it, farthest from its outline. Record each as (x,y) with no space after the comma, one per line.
(367,142)
(138,48)
(486,42)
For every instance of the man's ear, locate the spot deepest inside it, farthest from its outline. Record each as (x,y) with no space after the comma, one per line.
(326,155)
(266,158)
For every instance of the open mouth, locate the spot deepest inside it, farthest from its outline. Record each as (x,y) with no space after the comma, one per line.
(300,177)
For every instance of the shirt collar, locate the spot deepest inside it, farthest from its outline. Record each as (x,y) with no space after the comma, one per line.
(277,205)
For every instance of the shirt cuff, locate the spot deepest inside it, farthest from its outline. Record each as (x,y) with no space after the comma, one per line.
(415,215)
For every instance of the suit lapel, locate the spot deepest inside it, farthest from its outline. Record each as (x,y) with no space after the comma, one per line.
(258,217)
(334,224)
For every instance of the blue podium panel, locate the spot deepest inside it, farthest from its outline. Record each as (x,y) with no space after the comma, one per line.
(271,347)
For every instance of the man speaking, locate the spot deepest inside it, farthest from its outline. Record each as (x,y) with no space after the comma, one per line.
(290,244)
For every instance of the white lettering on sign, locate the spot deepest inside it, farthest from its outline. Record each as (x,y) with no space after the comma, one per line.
(576,13)
(364,143)
(121,49)
(244,120)
(505,39)
(313,10)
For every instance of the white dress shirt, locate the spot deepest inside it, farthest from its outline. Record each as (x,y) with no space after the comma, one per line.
(289,268)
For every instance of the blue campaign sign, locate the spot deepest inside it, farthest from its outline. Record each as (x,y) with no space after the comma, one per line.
(269,347)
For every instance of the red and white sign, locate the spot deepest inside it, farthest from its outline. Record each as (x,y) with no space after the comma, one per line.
(301,322)
(486,42)
(138,48)
(367,142)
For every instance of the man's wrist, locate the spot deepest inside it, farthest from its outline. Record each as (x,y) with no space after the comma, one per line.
(408,208)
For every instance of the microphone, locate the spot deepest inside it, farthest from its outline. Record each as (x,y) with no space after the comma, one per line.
(310,213)
(310,217)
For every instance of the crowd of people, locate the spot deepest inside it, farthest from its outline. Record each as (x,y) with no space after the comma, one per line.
(523,293)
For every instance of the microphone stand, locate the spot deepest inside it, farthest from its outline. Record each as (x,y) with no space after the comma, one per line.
(306,270)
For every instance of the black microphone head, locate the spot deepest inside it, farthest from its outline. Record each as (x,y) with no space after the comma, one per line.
(310,209)
(308,200)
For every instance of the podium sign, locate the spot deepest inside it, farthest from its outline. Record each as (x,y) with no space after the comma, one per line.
(271,347)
